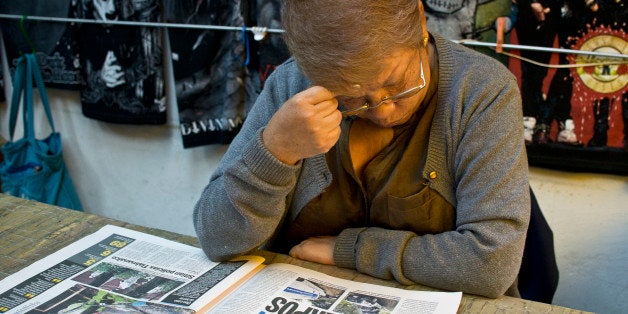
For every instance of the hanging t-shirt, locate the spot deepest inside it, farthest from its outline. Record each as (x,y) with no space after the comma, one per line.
(214,88)
(271,50)
(54,43)
(122,67)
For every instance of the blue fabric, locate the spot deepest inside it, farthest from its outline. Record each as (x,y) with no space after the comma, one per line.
(32,168)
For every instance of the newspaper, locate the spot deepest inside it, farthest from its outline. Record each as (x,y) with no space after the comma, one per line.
(285,288)
(118,270)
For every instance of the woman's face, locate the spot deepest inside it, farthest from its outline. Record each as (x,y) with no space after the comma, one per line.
(401,71)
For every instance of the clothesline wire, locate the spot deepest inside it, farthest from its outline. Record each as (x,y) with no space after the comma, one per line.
(565,66)
(545,49)
(134,23)
(279,31)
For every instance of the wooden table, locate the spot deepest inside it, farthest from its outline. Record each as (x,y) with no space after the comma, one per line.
(30,230)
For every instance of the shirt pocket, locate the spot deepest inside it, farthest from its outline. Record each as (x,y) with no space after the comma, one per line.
(423,213)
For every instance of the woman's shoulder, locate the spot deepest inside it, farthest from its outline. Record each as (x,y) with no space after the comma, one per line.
(288,76)
(462,60)
(289,70)
(473,81)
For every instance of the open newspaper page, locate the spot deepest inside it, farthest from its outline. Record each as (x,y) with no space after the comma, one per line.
(284,288)
(118,270)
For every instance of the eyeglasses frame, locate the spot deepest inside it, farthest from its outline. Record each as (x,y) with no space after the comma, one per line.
(405,94)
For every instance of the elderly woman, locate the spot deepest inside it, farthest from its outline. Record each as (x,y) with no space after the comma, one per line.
(379,147)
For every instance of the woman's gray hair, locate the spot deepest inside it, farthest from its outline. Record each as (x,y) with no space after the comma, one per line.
(338,43)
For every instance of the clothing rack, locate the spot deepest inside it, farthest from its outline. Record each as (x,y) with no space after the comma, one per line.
(261,30)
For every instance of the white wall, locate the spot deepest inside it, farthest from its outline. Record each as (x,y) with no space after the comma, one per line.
(139,174)
(142,175)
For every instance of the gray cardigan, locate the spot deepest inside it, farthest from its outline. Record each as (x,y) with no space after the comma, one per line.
(476,161)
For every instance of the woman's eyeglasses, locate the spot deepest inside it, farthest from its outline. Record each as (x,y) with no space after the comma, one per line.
(353,106)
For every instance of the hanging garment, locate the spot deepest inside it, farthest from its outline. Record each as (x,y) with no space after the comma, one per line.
(54,43)
(453,19)
(271,50)
(122,65)
(214,85)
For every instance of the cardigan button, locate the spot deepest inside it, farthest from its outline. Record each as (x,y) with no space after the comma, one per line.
(433,175)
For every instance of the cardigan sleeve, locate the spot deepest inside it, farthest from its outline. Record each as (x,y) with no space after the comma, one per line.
(245,199)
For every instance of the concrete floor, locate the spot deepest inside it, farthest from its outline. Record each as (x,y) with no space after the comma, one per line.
(588,214)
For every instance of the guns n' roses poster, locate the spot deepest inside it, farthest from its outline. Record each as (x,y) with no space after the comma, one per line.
(575,106)
(575,114)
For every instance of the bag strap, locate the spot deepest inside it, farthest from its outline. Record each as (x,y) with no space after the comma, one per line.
(27,110)
(42,89)
(18,85)
(26,70)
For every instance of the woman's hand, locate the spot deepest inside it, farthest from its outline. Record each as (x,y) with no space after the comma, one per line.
(315,249)
(306,125)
